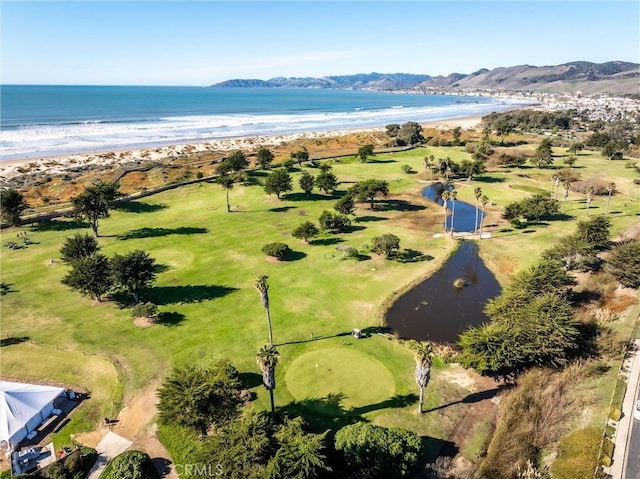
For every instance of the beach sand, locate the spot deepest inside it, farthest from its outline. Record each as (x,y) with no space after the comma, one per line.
(58,164)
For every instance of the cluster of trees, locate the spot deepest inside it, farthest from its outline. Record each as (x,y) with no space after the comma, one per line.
(242,443)
(527,120)
(93,274)
(238,443)
(531,324)
(532,319)
(409,133)
(280,181)
(531,209)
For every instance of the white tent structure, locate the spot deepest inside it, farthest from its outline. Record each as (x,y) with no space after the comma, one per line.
(23,407)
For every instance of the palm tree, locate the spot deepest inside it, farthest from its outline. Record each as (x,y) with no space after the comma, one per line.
(611,187)
(454,196)
(554,188)
(445,195)
(423,354)
(267,359)
(427,167)
(565,193)
(483,201)
(477,193)
(590,192)
(227,182)
(263,289)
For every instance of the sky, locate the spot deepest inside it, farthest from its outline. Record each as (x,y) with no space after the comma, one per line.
(204,42)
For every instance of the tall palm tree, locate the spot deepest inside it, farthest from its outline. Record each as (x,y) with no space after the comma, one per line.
(445,195)
(484,200)
(267,359)
(565,193)
(423,354)
(477,193)
(556,184)
(454,196)
(227,182)
(611,187)
(427,167)
(263,289)
(590,191)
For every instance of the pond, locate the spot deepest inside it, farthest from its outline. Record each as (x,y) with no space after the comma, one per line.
(435,309)
(464,219)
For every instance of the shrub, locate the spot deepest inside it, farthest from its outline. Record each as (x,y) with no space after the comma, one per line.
(351,252)
(333,222)
(144,310)
(406,169)
(199,174)
(606,461)
(130,465)
(615,414)
(277,250)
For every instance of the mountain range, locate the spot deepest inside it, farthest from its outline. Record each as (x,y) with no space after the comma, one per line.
(614,77)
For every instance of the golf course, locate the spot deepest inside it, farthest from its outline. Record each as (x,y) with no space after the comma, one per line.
(208,260)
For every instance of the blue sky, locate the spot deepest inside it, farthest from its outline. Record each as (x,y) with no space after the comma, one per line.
(203,42)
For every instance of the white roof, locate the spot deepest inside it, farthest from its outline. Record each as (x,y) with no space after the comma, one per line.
(19,403)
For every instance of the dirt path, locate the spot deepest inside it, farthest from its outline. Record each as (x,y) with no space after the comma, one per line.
(136,422)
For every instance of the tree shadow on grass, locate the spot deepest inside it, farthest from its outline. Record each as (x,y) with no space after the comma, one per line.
(322,413)
(162,295)
(170,318)
(470,398)
(58,225)
(138,207)
(160,268)
(250,380)
(282,209)
(156,232)
(326,241)
(294,256)
(488,179)
(11,341)
(398,205)
(409,255)
(352,228)
(301,196)
(380,161)
(6,288)
(369,219)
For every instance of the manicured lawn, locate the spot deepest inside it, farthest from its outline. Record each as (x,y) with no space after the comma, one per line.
(208,262)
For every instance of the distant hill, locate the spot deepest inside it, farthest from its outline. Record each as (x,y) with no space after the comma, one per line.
(612,77)
(374,81)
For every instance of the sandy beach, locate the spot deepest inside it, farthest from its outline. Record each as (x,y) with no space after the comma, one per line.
(57,164)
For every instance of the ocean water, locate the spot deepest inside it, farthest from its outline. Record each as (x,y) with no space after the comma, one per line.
(39,121)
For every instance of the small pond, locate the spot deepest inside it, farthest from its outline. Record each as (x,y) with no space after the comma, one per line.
(435,310)
(464,218)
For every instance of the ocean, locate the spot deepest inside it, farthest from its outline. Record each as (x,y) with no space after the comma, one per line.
(40,121)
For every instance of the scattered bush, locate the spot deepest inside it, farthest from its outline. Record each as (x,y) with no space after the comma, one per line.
(145,310)
(277,250)
(351,252)
(199,175)
(615,414)
(333,222)
(406,169)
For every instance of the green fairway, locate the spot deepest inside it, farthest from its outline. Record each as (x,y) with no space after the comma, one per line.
(208,262)
(321,373)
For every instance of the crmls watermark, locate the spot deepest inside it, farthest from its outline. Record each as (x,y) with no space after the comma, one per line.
(201,470)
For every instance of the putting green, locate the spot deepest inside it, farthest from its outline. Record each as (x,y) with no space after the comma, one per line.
(343,375)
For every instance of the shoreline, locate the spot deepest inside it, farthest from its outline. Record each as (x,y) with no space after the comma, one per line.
(56,164)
